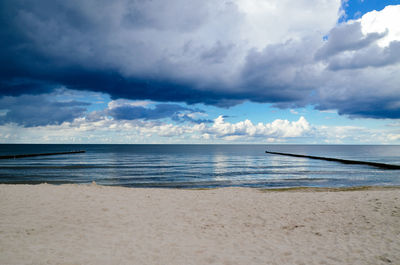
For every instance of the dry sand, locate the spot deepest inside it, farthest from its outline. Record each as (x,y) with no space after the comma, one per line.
(90,224)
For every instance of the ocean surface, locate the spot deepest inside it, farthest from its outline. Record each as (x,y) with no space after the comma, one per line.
(200,166)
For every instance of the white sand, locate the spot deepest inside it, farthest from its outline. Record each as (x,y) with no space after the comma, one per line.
(89,224)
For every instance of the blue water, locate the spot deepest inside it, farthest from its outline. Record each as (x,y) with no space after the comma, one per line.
(200,166)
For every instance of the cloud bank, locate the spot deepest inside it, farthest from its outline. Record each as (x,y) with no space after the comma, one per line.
(108,130)
(125,110)
(33,110)
(213,52)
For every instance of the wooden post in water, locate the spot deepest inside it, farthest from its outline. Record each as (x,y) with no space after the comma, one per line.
(344,161)
(42,154)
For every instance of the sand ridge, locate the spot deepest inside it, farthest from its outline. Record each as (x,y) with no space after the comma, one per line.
(92,224)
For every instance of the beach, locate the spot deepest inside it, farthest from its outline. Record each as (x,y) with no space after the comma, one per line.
(93,224)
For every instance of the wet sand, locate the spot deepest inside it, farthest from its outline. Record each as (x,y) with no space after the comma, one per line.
(91,224)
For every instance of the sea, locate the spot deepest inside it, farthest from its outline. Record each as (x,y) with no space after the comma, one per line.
(199,166)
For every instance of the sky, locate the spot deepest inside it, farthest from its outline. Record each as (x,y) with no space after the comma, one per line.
(200,71)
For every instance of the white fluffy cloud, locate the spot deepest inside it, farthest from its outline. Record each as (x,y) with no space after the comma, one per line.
(278,129)
(384,21)
(103,128)
(108,130)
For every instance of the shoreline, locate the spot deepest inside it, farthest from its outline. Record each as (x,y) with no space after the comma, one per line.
(283,189)
(94,224)
(333,189)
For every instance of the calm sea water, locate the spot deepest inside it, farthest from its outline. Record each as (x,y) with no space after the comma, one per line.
(199,166)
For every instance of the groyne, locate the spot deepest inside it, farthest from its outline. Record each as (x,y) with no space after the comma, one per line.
(344,161)
(41,154)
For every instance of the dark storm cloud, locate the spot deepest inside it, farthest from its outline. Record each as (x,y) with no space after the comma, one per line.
(368,99)
(216,54)
(85,46)
(58,43)
(348,48)
(282,73)
(385,108)
(30,111)
(356,82)
(347,37)
(374,56)
(175,51)
(139,112)
(119,86)
(161,111)
(18,86)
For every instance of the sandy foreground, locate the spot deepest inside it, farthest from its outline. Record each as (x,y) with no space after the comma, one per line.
(91,224)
